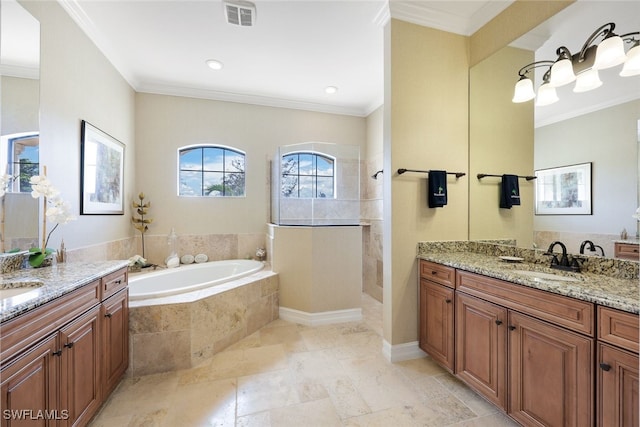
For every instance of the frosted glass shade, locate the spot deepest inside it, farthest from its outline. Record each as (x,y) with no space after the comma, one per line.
(523,91)
(562,73)
(587,80)
(632,66)
(546,95)
(610,53)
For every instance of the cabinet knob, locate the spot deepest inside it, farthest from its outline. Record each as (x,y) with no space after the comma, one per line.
(433,272)
(69,344)
(605,366)
(57,353)
(108,315)
(448,301)
(117,282)
(498,322)
(512,328)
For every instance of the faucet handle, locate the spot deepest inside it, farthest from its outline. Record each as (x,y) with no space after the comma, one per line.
(554,258)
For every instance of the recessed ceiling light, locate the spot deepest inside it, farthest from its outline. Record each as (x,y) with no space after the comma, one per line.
(214,64)
(331,89)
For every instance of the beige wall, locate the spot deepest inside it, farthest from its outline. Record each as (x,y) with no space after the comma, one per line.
(166,123)
(500,142)
(428,125)
(78,83)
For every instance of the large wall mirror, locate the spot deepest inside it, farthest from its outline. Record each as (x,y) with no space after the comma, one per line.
(599,126)
(19,124)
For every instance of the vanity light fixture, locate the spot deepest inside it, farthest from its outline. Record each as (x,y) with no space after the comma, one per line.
(581,67)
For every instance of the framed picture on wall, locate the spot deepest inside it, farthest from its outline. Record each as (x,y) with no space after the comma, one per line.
(101,173)
(564,190)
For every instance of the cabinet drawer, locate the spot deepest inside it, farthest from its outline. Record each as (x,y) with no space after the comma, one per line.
(618,328)
(627,251)
(114,282)
(564,311)
(438,273)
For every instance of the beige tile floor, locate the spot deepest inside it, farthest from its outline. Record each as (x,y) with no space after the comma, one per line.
(291,375)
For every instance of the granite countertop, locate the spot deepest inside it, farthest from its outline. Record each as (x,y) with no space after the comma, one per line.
(622,294)
(42,285)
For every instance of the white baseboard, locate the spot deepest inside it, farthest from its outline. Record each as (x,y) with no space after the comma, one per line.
(400,352)
(323,318)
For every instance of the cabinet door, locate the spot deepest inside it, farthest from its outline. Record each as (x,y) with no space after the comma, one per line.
(481,347)
(29,387)
(115,340)
(551,374)
(80,374)
(617,381)
(436,322)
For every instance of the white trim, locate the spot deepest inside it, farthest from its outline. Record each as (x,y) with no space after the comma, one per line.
(20,71)
(322,318)
(400,352)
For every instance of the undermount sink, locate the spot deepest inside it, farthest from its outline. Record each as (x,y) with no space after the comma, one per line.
(20,286)
(542,277)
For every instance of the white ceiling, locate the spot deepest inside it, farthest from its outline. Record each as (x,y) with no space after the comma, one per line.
(298,47)
(295,50)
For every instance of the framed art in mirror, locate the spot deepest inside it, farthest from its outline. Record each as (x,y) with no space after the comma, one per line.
(102,173)
(564,190)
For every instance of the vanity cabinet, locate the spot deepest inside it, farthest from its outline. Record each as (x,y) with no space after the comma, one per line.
(437,313)
(481,340)
(115,340)
(528,351)
(617,369)
(62,359)
(627,251)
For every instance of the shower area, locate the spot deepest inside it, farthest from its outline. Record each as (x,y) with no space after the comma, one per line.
(315,236)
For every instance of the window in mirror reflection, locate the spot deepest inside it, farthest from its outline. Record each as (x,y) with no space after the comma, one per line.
(23,157)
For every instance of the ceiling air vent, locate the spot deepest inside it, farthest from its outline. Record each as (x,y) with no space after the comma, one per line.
(242,13)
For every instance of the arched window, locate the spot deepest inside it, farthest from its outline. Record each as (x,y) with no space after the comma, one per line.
(211,171)
(308,175)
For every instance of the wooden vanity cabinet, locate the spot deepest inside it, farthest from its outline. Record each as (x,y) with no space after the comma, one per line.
(437,303)
(481,339)
(617,369)
(115,339)
(627,251)
(62,359)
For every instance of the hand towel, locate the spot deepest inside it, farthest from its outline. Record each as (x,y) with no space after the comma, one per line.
(437,189)
(509,192)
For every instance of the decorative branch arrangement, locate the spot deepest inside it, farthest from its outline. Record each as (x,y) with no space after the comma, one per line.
(141,224)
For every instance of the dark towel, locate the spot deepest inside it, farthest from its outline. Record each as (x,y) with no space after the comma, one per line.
(437,189)
(510,191)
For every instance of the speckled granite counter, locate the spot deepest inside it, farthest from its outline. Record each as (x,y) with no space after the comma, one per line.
(619,293)
(57,281)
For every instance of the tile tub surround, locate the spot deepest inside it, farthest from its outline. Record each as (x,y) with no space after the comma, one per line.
(60,279)
(481,258)
(181,331)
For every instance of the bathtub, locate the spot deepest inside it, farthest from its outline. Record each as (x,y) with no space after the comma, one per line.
(180,317)
(188,278)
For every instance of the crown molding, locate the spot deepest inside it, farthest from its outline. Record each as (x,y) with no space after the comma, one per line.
(80,17)
(421,13)
(19,71)
(266,101)
(585,110)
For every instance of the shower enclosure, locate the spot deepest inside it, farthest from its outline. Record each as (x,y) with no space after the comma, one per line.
(315,236)
(316,184)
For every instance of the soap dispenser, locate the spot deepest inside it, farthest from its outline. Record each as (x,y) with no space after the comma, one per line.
(172,242)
